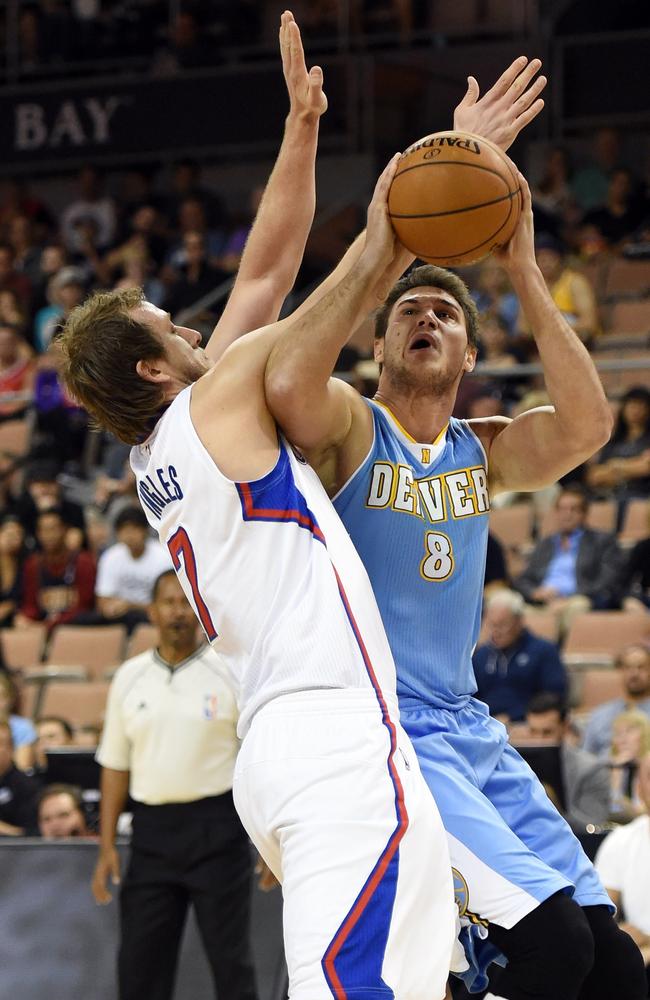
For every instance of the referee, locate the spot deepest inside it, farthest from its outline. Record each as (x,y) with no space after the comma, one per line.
(170,740)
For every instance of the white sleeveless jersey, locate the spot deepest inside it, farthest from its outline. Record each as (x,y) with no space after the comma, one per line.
(268,567)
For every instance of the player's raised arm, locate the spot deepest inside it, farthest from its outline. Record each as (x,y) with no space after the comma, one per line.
(541,445)
(507,107)
(314,410)
(274,249)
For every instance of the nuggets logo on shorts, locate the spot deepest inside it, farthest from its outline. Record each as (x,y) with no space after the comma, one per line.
(461,895)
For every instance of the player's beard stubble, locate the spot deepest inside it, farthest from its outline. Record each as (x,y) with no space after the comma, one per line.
(408,380)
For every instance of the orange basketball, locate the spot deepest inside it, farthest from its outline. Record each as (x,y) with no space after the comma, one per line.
(454,198)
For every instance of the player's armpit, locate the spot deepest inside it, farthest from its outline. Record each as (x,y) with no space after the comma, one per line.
(532,451)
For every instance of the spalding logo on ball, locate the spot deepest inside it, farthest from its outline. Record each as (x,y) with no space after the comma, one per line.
(454,198)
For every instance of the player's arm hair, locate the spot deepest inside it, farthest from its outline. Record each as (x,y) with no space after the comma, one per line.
(539,446)
(316,411)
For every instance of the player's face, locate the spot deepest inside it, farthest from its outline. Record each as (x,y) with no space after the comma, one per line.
(184,358)
(425,346)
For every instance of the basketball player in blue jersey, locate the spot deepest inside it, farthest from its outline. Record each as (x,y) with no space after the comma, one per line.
(413,487)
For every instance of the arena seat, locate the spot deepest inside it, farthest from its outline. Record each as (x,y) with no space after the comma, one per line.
(512,526)
(627,277)
(636,523)
(81,704)
(601,517)
(144,636)
(597,686)
(543,623)
(630,317)
(22,647)
(597,636)
(14,436)
(94,647)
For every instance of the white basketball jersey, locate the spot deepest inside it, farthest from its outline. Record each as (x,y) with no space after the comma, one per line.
(268,567)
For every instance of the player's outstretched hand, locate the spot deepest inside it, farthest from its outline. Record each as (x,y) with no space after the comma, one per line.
(381,241)
(108,865)
(507,107)
(519,251)
(306,93)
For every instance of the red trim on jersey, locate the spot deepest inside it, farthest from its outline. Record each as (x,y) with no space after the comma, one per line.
(270,514)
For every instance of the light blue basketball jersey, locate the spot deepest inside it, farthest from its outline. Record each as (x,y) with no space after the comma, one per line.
(418,516)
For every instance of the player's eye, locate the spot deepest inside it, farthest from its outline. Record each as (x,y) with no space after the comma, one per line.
(408,312)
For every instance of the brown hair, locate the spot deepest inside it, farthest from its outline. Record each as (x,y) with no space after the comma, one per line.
(435,277)
(102,344)
(60,789)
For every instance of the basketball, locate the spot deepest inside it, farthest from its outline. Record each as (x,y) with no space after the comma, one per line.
(454,198)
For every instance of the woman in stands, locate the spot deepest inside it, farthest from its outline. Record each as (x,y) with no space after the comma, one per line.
(12,557)
(630,741)
(622,470)
(23,733)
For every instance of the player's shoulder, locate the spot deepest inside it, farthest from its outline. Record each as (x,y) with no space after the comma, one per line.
(487,428)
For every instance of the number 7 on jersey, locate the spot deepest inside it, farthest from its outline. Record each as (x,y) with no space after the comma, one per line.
(180,547)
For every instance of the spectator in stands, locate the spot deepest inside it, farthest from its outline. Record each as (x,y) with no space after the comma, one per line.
(195,277)
(576,568)
(53,258)
(43,492)
(61,424)
(186,183)
(622,470)
(66,290)
(61,813)
(571,291)
(188,46)
(636,583)
(634,664)
(494,296)
(552,193)
(16,372)
(495,346)
(496,573)
(23,734)
(12,560)
(630,741)
(589,185)
(128,570)
(27,253)
(585,777)
(188,846)
(92,205)
(12,312)
(513,665)
(13,281)
(18,791)
(53,732)
(622,212)
(59,582)
(623,863)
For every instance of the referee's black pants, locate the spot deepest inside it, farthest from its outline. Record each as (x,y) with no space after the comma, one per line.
(186,853)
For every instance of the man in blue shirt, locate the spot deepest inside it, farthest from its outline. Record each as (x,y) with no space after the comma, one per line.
(576,569)
(634,664)
(514,664)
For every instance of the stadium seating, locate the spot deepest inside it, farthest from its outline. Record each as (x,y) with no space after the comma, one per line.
(627,278)
(601,517)
(144,637)
(81,704)
(22,647)
(95,648)
(593,687)
(597,636)
(14,436)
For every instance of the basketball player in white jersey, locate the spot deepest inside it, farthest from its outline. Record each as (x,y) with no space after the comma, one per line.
(327,784)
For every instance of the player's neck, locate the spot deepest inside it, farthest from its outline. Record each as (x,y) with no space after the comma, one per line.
(422,415)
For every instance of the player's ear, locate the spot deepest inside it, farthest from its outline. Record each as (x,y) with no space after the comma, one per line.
(470,359)
(378,349)
(149,369)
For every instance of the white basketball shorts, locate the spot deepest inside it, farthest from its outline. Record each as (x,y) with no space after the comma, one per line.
(330,792)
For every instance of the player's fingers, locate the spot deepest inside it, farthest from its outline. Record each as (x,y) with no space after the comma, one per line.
(509,76)
(530,95)
(527,117)
(315,85)
(472,92)
(297,54)
(385,178)
(526,198)
(522,80)
(284,44)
